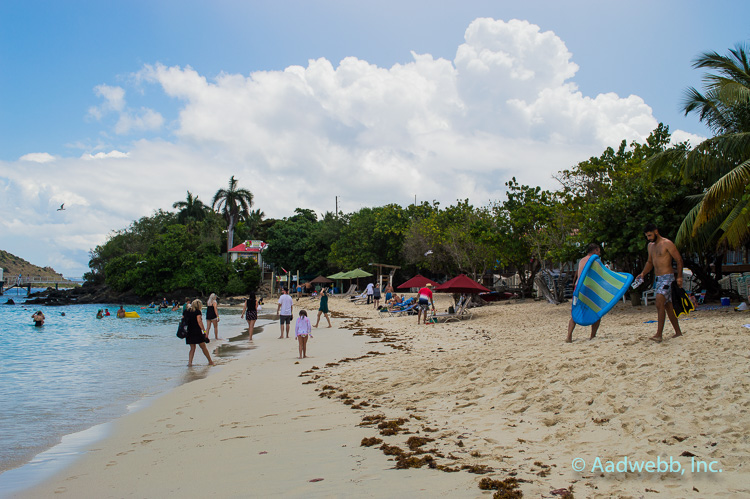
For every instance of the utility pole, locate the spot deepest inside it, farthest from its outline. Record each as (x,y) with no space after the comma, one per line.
(337,206)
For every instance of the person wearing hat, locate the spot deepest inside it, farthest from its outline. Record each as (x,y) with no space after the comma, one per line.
(424,302)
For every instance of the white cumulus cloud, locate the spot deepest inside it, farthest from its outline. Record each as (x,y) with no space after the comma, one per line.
(438,129)
(105,155)
(38,157)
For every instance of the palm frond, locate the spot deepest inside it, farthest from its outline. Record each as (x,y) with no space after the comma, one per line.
(659,164)
(736,226)
(697,239)
(729,187)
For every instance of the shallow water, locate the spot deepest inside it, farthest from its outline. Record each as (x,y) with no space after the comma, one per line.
(76,371)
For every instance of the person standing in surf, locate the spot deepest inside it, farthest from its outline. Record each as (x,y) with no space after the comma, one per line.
(196,331)
(212,315)
(250,313)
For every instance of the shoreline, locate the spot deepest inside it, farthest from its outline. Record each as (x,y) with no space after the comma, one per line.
(255,428)
(68,446)
(501,395)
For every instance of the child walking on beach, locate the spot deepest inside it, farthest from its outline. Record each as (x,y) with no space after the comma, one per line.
(302,329)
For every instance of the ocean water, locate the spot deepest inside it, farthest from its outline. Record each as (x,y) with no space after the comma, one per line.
(77,372)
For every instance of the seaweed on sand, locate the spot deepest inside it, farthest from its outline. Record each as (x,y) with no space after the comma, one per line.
(506,489)
(369,442)
(415,443)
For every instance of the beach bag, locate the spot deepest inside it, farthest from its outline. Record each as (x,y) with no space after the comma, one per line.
(182,329)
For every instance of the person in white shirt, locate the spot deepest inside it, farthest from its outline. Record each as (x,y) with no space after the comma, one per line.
(370,290)
(285,310)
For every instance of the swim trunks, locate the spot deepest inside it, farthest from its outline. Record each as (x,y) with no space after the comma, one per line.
(663,286)
(285,319)
(423,304)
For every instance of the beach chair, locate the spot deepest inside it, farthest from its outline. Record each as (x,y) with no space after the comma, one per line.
(461,312)
(400,309)
(649,293)
(350,292)
(359,299)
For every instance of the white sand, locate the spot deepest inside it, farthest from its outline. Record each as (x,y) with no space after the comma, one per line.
(251,429)
(502,390)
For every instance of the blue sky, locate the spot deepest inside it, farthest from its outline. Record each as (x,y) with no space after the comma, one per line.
(135,96)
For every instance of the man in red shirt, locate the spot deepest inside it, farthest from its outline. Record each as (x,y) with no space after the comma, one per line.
(424,303)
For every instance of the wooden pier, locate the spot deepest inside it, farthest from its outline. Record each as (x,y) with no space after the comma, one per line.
(36,282)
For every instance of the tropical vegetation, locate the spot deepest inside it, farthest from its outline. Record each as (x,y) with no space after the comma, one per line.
(698,196)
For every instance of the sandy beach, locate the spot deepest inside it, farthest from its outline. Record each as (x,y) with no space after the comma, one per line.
(500,396)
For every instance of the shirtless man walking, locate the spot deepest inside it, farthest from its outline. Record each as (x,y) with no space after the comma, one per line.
(661,253)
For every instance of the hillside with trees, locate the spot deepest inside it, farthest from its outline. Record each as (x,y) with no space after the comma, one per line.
(13,265)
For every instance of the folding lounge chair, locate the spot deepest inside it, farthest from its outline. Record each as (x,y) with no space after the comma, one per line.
(352,289)
(461,312)
(400,309)
(359,298)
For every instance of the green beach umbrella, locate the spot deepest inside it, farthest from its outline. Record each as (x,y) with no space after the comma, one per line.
(357,273)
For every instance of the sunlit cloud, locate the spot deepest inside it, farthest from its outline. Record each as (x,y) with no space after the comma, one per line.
(38,157)
(435,129)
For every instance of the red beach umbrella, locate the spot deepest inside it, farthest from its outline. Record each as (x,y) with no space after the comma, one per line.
(461,284)
(418,281)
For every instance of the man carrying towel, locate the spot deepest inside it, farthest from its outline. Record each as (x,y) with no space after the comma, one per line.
(593,249)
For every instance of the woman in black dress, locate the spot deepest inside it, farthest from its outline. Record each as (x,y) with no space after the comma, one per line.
(212,315)
(196,334)
(250,313)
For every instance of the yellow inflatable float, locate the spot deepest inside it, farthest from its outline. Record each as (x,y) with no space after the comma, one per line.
(132,315)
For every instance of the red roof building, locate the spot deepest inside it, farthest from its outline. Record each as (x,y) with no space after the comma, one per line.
(249,249)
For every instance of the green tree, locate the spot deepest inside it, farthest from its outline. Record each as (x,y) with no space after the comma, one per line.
(245,277)
(234,204)
(721,213)
(289,240)
(520,219)
(457,239)
(625,199)
(371,235)
(190,210)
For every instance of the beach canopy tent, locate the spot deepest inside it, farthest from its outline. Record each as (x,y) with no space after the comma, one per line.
(461,284)
(321,280)
(418,281)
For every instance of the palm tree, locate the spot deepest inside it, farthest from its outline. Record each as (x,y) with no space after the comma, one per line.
(721,215)
(234,204)
(191,210)
(253,222)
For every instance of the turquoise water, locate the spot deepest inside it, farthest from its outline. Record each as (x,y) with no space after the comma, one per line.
(77,371)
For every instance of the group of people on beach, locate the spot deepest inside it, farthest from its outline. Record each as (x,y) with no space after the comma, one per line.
(302,326)
(198,333)
(662,255)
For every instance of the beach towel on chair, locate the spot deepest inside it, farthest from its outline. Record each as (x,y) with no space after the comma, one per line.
(598,290)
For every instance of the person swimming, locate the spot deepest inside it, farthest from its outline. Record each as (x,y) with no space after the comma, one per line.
(38,318)
(99,314)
